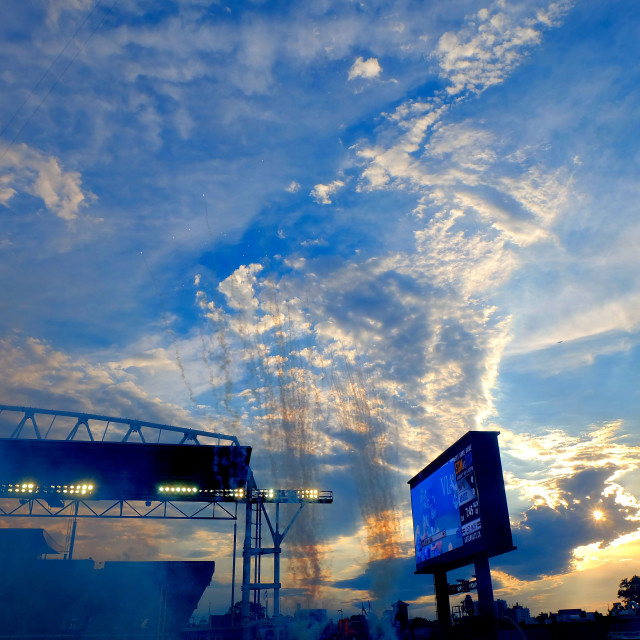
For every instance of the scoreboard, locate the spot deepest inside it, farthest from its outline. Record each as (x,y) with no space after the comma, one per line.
(459,505)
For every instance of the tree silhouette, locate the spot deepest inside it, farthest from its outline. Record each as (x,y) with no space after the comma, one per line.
(256,611)
(629,590)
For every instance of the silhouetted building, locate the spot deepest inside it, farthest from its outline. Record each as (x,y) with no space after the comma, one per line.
(43,597)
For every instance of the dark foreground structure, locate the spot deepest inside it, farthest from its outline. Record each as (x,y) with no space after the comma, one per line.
(46,598)
(57,472)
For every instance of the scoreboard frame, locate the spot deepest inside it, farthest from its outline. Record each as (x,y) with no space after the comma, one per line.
(459,505)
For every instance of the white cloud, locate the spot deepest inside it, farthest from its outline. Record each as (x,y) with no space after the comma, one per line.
(322,193)
(470,147)
(368,69)
(33,172)
(470,264)
(490,45)
(6,195)
(555,456)
(239,288)
(295,262)
(293,187)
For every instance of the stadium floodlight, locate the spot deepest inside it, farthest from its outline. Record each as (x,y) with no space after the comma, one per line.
(196,494)
(291,495)
(43,490)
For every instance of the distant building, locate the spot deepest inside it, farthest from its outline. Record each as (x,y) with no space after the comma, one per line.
(517,613)
(544,618)
(500,606)
(400,618)
(574,615)
(620,611)
(520,615)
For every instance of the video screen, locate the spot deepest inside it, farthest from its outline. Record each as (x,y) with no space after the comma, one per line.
(446,513)
(459,505)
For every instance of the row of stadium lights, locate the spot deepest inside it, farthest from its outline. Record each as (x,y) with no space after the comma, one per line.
(236,493)
(30,487)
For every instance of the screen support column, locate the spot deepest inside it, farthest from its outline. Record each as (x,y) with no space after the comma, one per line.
(487,615)
(442,599)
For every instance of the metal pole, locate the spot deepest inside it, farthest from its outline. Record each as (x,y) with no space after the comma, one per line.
(73,531)
(233,566)
(442,600)
(246,572)
(276,565)
(488,626)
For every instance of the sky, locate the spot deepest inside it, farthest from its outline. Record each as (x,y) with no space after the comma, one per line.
(346,233)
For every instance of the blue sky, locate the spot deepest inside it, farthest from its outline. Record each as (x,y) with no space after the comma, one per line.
(346,233)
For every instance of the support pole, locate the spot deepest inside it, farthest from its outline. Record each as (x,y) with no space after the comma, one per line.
(442,601)
(246,572)
(488,629)
(277,540)
(72,540)
(233,567)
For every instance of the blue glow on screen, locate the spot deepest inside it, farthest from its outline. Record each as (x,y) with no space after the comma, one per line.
(445,508)
(436,514)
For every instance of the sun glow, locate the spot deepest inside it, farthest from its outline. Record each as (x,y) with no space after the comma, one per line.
(598,515)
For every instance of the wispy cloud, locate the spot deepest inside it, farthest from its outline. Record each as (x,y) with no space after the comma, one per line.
(31,171)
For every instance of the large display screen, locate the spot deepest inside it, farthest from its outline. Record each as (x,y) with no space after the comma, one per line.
(459,505)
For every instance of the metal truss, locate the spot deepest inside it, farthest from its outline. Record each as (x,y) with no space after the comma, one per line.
(28,424)
(87,424)
(210,508)
(149,510)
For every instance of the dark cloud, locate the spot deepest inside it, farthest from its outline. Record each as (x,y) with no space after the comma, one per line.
(589,482)
(356,303)
(399,573)
(203,553)
(546,537)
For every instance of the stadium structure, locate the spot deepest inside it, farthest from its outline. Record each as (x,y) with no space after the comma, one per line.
(62,464)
